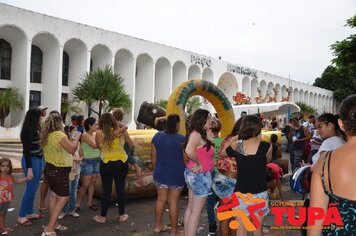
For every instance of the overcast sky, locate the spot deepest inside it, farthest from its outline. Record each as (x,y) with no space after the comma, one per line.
(282,37)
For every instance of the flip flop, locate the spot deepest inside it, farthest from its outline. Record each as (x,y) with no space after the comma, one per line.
(26,222)
(165,228)
(61,227)
(93,207)
(43,210)
(123,218)
(34,216)
(98,220)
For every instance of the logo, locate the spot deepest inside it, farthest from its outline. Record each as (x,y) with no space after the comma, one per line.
(307,216)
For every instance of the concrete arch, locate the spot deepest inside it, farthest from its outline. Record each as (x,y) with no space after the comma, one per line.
(279,95)
(246,87)
(163,79)
(263,87)
(144,81)
(78,58)
(254,93)
(194,72)
(208,75)
(295,95)
(320,104)
(228,84)
(301,95)
(18,41)
(284,91)
(179,74)
(101,56)
(270,87)
(51,76)
(306,97)
(311,99)
(124,65)
(323,103)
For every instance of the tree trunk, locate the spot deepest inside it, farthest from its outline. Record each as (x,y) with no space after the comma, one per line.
(2,122)
(100,108)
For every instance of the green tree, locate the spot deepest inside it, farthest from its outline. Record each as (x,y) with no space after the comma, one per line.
(104,87)
(10,99)
(67,107)
(162,103)
(193,104)
(306,109)
(341,75)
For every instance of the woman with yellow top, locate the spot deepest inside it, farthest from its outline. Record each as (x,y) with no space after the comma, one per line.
(110,138)
(58,152)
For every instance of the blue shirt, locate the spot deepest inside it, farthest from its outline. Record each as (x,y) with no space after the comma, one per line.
(170,165)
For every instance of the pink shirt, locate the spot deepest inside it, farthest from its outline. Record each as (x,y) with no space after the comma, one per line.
(205,157)
(6,189)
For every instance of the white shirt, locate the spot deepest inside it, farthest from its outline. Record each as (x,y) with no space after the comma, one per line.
(328,145)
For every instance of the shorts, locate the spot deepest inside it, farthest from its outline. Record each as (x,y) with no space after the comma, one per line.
(4,206)
(58,179)
(172,187)
(223,186)
(90,167)
(199,182)
(243,205)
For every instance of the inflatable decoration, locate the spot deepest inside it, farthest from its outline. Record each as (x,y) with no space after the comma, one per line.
(300,180)
(178,99)
(148,113)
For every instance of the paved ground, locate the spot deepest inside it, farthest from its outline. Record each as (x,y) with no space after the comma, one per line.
(140,222)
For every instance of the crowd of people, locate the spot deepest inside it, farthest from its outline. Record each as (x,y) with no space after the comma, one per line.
(211,167)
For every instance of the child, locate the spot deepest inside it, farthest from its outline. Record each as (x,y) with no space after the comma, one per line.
(273,178)
(273,141)
(6,191)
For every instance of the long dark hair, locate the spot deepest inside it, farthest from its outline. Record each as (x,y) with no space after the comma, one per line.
(333,119)
(251,126)
(348,114)
(32,120)
(171,124)
(90,121)
(236,128)
(197,123)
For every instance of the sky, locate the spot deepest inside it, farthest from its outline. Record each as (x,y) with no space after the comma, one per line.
(288,38)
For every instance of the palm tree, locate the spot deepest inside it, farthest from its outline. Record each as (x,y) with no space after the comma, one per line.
(10,99)
(306,109)
(193,104)
(67,107)
(162,103)
(104,87)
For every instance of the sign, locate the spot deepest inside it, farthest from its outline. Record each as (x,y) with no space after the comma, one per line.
(242,70)
(202,61)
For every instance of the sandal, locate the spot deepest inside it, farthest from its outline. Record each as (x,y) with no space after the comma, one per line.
(123,218)
(165,228)
(93,207)
(44,233)
(43,210)
(34,216)
(99,219)
(7,230)
(60,227)
(26,222)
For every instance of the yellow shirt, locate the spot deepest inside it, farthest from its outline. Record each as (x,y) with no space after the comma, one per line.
(116,153)
(54,153)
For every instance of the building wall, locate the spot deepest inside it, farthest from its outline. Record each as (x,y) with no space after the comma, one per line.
(150,70)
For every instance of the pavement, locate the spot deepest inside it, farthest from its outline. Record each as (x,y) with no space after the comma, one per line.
(141,213)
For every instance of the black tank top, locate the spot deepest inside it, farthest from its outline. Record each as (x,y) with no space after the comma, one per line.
(251,169)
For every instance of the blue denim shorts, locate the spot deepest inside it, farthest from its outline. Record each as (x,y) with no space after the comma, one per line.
(199,182)
(223,186)
(90,167)
(243,205)
(173,187)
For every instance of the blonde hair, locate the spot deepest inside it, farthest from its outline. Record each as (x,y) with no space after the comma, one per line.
(52,123)
(107,124)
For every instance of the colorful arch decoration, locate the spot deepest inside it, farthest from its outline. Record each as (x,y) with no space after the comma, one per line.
(179,97)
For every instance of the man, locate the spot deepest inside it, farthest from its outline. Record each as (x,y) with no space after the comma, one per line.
(43,110)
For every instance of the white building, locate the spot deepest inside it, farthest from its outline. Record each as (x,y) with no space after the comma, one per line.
(44,58)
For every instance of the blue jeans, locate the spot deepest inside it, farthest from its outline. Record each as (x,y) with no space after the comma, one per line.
(296,158)
(73,185)
(31,185)
(210,204)
(130,157)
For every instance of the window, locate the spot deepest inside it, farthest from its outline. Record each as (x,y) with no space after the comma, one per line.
(5,60)
(36,65)
(35,98)
(65,69)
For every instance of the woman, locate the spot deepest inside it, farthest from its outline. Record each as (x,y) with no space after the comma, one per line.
(251,156)
(58,152)
(113,164)
(168,163)
(329,130)
(31,164)
(90,165)
(334,177)
(225,180)
(199,151)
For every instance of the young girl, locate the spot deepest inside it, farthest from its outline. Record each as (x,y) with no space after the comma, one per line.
(6,191)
